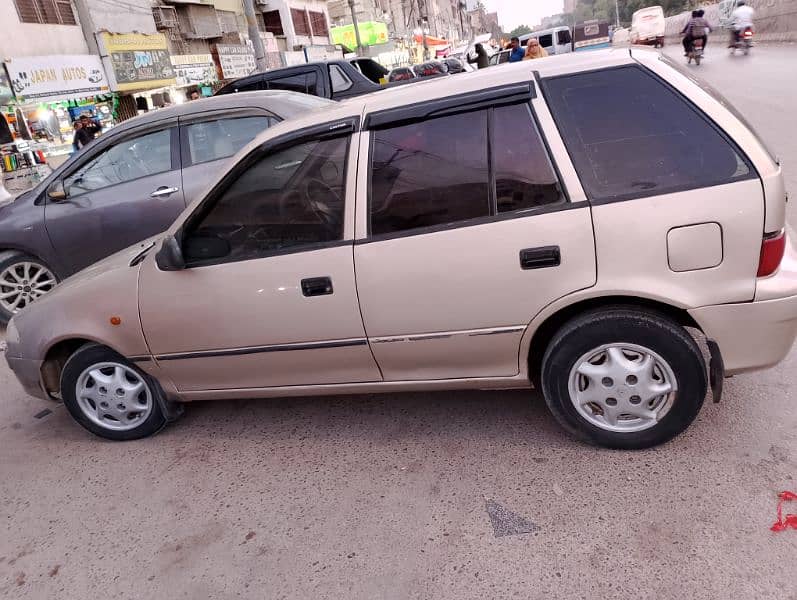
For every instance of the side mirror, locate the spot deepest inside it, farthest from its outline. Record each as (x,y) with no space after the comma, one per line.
(56,191)
(170,255)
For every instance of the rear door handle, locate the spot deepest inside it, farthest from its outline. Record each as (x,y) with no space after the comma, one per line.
(540,258)
(317,286)
(164,191)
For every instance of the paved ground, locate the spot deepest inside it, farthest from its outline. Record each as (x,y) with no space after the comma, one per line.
(401,496)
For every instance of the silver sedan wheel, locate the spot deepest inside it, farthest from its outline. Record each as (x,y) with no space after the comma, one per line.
(22,283)
(622,388)
(113,396)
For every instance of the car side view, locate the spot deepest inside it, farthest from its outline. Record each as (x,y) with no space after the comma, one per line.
(126,186)
(578,225)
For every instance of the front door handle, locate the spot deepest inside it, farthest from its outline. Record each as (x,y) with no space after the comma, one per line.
(540,258)
(317,286)
(164,191)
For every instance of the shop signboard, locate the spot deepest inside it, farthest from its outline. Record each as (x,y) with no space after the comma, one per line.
(137,61)
(57,77)
(235,61)
(193,69)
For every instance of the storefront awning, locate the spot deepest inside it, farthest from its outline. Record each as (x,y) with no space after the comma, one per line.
(431,40)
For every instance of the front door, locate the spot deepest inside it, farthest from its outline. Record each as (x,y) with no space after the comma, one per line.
(277,305)
(120,195)
(470,236)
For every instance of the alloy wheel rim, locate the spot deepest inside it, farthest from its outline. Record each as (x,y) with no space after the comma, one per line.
(113,396)
(23,283)
(622,388)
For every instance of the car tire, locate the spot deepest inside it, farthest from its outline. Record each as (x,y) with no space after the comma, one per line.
(13,267)
(110,396)
(617,359)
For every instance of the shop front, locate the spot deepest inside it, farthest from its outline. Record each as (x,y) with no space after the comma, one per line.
(140,69)
(48,93)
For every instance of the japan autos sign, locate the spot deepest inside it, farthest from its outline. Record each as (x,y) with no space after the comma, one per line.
(54,78)
(137,61)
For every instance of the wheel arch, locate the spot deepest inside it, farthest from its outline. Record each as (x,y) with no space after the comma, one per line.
(15,248)
(56,356)
(546,324)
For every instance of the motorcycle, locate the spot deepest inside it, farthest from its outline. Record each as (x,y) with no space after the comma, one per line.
(742,40)
(695,52)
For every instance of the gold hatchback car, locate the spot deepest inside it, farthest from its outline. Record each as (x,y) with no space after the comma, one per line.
(578,224)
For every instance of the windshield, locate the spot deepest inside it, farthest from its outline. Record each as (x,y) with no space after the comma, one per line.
(714,93)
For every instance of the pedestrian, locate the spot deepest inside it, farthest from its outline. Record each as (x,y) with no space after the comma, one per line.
(516,53)
(194,95)
(482,61)
(83,136)
(75,140)
(91,126)
(534,50)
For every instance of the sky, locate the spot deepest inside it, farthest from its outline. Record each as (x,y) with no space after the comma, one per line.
(512,13)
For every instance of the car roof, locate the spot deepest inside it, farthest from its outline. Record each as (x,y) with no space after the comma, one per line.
(284,104)
(432,88)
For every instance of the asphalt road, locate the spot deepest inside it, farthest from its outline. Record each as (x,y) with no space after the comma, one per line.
(413,495)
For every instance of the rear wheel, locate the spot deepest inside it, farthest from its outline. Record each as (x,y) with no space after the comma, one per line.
(624,378)
(23,279)
(109,396)
(697,59)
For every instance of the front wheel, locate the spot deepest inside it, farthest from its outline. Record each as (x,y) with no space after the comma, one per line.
(697,59)
(624,377)
(23,279)
(109,396)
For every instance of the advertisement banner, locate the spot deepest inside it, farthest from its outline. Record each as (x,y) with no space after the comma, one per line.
(372,33)
(193,69)
(235,61)
(138,61)
(54,78)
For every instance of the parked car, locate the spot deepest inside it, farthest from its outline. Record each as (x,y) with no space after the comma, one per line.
(430,68)
(336,79)
(505,228)
(128,185)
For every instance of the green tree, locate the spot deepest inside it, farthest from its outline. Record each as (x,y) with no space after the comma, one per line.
(520,30)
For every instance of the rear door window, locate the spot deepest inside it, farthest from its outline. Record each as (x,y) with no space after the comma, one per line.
(221,138)
(291,83)
(546,41)
(630,135)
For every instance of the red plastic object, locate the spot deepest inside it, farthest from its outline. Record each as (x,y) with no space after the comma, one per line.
(791,520)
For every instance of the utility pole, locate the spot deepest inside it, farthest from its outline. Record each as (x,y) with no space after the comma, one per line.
(356,27)
(254,35)
(617,13)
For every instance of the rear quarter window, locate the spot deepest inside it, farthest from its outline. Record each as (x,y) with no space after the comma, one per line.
(631,135)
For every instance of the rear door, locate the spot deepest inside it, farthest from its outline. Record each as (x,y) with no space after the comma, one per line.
(469,233)
(121,194)
(208,140)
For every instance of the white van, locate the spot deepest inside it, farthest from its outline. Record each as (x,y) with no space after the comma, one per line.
(647,26)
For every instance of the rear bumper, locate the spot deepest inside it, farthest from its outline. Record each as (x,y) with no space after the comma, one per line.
(28,372)
(753,335)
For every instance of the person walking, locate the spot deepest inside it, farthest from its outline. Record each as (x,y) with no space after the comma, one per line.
(482,61)
(534,50)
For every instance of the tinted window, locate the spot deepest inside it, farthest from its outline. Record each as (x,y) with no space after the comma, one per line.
(430,173)
(292,83)
(312,83)
(288,199)
(130,159)
(212,140)
(631,135)
(563,37)
(546,40)
(524,176)
(340,81)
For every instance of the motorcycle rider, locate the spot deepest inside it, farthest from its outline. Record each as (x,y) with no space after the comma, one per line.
(696,27)
(742,19)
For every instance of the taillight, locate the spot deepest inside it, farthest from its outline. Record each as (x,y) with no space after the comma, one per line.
(772,248)
(748,34)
